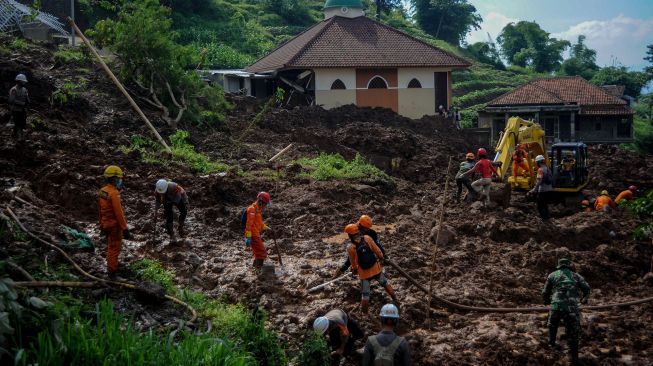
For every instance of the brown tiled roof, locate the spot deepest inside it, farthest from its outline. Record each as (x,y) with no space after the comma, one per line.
(355,42)
(558,90)
(615,90)
(606,110)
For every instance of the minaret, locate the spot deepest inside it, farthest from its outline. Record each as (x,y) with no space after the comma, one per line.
(343,8)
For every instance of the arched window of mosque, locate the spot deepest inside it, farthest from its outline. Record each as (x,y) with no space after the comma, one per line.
(377,82)
(338,84)
(414,84)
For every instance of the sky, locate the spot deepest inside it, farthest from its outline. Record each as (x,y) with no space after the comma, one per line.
(618,30)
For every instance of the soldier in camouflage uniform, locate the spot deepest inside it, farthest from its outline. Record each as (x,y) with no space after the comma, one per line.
(563,291)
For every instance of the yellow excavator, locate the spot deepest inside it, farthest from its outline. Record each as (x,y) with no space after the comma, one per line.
(567,160)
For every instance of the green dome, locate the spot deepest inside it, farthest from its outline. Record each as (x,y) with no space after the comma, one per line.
(341,3)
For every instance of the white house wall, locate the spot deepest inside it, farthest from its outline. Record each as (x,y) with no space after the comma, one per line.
(328,98)
(417,102)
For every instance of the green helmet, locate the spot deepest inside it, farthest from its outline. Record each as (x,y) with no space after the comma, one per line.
(564,262)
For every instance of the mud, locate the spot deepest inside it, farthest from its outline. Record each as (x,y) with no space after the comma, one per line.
(488,257)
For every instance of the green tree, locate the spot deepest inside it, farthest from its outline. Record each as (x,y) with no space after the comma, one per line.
(582,61)
(525,44)
(649,58)
(449,20)
(293,12)
(487,53)
(634,81)
(164,71)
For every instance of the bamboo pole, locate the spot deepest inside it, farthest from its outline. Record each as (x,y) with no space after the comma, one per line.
(280,153)
(56,284)
(118,84)
(437,239)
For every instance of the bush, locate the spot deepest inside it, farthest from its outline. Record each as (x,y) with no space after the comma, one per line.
(67,55)
(184,152)
(479,96)
(68,93)
(334,166)
(20,44)
(643,209)
(315,351)
(151,270)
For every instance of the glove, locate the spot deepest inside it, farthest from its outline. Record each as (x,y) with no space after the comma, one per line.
(126,234)
(248,242)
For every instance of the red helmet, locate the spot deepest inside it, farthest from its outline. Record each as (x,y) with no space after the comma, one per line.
(632,188)
(264,197)
(481,151)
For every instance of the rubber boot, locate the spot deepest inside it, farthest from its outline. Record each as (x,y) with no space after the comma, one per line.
(258,264)
(180,230)
(553,332)
(573,353)
(365,305)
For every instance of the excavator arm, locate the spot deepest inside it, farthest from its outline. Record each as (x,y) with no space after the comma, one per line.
(531,135)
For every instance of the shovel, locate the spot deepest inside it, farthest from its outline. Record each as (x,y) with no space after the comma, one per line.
(276,248)
(319,287)
(156,211)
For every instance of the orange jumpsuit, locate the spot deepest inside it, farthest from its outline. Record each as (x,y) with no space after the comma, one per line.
(518,162)
(367,275)
(603,202)
(253,230)
(625,195)
(112,221)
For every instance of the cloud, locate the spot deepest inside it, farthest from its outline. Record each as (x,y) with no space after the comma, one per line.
(493,23)
(621,38)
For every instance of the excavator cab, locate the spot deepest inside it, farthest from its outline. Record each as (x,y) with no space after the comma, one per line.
(569,166)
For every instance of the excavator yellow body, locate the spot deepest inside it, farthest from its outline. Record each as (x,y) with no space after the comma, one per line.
(567,160)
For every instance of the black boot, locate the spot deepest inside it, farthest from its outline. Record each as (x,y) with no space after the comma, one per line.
(180,230)
(553,333)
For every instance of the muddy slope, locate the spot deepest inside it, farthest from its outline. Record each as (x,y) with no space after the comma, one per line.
(490,257)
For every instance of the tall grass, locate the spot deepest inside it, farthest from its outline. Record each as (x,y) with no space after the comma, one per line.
(108,340)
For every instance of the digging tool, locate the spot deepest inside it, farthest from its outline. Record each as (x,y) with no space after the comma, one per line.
(276,247)
(319,287)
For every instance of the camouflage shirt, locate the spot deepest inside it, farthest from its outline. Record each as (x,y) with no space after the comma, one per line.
(563,290)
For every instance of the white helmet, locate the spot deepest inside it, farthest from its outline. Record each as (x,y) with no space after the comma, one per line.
(161,186)
(539,158)
(21,77)
(321,324)
(389,311)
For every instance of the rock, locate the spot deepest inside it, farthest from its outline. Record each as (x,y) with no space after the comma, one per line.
(447,235)
(478,205)
(364,188)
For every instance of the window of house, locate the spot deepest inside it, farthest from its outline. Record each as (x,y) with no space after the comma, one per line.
(414,84)
(338,84)
(623,128)
(377,82)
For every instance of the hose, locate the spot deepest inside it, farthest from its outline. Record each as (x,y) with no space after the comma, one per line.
(90,276)
(454,305)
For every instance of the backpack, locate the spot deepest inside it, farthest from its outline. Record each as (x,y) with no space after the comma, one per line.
(366,257)
(385,356)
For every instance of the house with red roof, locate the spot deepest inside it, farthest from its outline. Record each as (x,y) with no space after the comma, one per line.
(349,58)
(569,108)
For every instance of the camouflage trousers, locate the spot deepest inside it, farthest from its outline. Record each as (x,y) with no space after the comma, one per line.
(572,328)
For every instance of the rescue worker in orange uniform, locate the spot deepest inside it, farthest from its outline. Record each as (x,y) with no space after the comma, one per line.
(253,229)
(365,227)
(112,218)
(518,157)
(365,258)
(627,195)
(604,202)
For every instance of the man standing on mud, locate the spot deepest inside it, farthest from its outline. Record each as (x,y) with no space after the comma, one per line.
(543,187)
(563,291)
(112,218)
(19,99)
(465,166)
(171,194)
(253,229)
(487,169)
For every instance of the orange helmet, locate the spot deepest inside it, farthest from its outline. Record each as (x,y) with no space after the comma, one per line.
(351,229)
(470,156)
(365,221)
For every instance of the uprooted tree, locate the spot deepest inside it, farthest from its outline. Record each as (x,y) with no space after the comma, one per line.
(163,71)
